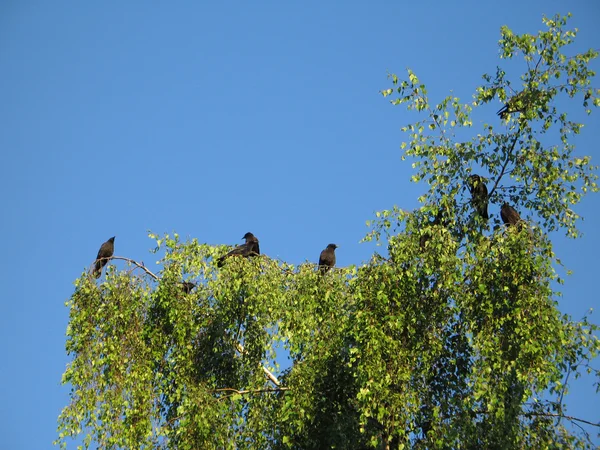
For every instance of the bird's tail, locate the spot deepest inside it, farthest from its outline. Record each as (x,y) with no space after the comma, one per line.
(484,212)
(503,111)
(97,269)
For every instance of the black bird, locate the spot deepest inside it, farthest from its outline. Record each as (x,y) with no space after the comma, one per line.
(505,111)
(250,248)
(187,286)
(523,102)
(104,254)
(327,258)
(509,215)
(479,195)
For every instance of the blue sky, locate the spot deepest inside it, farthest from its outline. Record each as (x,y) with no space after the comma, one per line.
(216,119)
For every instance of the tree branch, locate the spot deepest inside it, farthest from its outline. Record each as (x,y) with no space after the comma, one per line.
(562,416)
(267,372)
(248,391)
(135,263)
(508,153)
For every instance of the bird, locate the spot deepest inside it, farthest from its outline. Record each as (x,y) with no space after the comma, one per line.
(104,254)
(249,248)
(509,215)
(187,286)
(479,195)
(505,111)
(523,102)
(327,258)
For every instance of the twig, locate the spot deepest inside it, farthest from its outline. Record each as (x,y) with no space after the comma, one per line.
(248,391)
(562,416)
(548,414)
(562,394)
(135,263)
(267,372)
(512,147)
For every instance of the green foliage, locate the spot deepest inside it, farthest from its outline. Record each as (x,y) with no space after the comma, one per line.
(546,178)
(452,339)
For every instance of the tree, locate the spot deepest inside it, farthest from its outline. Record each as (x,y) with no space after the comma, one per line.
(452,341)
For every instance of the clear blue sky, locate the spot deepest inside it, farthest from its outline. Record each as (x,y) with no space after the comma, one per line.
(212,119)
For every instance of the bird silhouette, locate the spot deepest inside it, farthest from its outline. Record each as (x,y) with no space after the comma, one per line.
(479,195)
(509,215)
(249,248)
(327,258)
(104,254)
(525,102)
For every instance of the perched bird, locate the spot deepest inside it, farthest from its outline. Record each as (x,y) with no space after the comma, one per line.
(187,286)
(526,102)
(506,110)
(509,215)
(250,248)
(104,254)
(479,195)
(327,258)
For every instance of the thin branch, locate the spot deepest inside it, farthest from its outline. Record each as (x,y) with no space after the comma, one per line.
(248,391)
(547,414)
(562,394)
(508,153)
(267,372)
(584,431)
(135,263)
(562,416)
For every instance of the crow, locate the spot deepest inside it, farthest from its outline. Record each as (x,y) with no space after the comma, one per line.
(505,111)
(327,258)
(524,102)
(104,254)
(509,215)
(479,195)
(250,248)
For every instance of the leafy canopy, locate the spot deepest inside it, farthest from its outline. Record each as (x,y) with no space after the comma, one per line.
(452,339)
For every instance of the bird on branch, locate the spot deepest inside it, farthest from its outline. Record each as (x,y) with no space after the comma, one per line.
(104,254)
(525,102)
(249,248)
(327,258)
(479,195)
(509,215)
